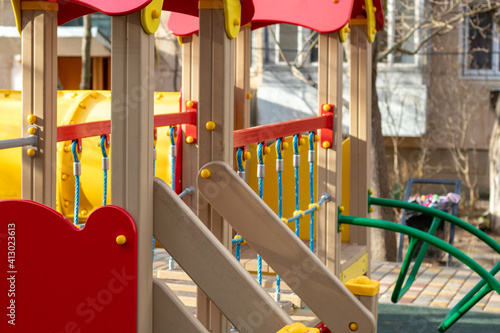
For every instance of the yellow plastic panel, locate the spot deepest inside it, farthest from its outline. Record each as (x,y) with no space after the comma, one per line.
(150,16)
(271,182)
(346,174)
(16,6)
(359,267)
(363,286)
(10,159)
(232,18)
(75,107)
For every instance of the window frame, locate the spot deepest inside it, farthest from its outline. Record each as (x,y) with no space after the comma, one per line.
(469,73)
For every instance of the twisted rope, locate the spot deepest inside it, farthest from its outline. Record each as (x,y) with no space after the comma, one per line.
(260,148)
(104,171)
(296,174)
(76,164)
(311,190)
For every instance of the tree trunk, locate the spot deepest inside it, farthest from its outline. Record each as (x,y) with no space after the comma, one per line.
(495,173)
(86,80)
(383,242)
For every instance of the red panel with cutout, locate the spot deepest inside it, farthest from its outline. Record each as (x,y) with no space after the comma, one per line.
(56,278)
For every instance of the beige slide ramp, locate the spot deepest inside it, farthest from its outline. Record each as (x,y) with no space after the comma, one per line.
(323,292)
(169,314)
(212,267)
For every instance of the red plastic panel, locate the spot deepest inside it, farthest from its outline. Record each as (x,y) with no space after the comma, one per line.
(56,278)
(72,9)
(320,15)
(357,10)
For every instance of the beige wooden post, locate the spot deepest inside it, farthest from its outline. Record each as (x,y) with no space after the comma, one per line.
(132,152)
(216,105)
(329,160)
(190,92)
(39,56)
(242,94)
(360,129)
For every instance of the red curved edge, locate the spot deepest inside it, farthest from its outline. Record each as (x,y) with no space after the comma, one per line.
(72,9)
(320,15)
(184,18)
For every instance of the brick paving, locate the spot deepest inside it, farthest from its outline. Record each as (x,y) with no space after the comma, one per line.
(440,287)
(434,286)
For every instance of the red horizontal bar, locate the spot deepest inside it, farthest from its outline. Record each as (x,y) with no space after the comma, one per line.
(263,133)
(98,128)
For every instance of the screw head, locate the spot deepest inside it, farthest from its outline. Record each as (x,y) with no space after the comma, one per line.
(205,173)
(120,240)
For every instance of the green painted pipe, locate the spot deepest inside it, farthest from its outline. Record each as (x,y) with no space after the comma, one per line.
(367,222)
(436,213)
(398,293)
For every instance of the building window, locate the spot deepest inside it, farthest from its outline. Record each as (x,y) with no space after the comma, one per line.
(298,45)
(481,46)
(400,21)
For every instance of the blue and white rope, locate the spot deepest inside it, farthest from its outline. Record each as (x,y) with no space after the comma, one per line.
(76,167)
(171,262)
(260,149)
(296,174)
(239,161)
(311,188)
(104,170)
(279,143)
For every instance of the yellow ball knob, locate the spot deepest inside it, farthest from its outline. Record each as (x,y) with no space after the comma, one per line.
(189,104)
(249,95)
(326,107)
(84,212)
(210,125)
(66,203)
(298,328)
(31,119)
(341,209)
(267,150)
(82,106)
(374,31)
(362,279)
(236,21)
(347,29)
(341,228)
(120,240)
(326,144)
(284,219)
(7,93)
(302,141)
(31,152)
(316,137)
(285,145)
(370,209)
(64,176)
(353,326)
(155,14)
(189,139)
(370,191)
(248,155)
(205,173)
(32,130)
(159,96)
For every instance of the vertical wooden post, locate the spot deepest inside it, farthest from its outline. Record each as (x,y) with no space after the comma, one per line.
(242,78)
(360,129)
(190,92)
(216,104)
(132,152)
(39,54)
(330,160)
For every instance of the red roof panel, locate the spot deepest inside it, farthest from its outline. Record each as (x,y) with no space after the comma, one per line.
(320,15)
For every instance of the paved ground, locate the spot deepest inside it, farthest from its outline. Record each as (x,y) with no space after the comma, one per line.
(440,287)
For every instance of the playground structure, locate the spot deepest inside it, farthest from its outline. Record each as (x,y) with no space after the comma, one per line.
(195,229)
